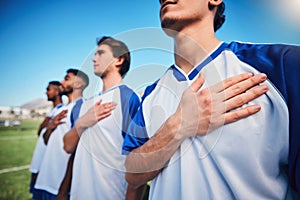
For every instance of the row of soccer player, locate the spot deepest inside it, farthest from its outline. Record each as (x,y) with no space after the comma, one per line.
(230,135)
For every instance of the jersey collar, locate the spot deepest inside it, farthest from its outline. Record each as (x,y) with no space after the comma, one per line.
(181,76)
(110,89)
(59,106)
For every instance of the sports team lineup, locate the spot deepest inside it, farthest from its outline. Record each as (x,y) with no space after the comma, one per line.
(221,122)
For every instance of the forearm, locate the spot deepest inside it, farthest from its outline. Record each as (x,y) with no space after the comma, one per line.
(65,185)
(43,125)
(51,126)
(47,135)
(145,163)
(71,138)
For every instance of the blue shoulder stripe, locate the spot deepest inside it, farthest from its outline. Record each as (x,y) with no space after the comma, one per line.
(149,89)
(136,134)
(129,104)
(75,112)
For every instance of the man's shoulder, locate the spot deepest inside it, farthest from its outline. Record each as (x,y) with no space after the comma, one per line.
(88,102)
(128,93)
(68,106)
(281,62)
(271,48)
(266,57)
(164,79)
(57,109)
(126,88)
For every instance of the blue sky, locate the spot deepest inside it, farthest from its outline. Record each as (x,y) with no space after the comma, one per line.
(41,39)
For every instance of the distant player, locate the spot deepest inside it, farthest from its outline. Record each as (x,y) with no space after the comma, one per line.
(54,95)
(55,160)
(98,169)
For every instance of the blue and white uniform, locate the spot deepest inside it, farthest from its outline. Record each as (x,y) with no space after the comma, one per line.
(40,146)
(55,160)
(39,151)
(246,159)
(98,169)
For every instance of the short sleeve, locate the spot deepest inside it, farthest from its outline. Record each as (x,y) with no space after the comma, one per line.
(136,134)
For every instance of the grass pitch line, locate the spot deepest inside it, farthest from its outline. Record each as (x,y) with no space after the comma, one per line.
(14,169)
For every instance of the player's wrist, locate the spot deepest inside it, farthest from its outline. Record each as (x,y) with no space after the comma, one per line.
(173,124)
(80,126)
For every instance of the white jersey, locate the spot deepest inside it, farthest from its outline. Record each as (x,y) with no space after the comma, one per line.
(55,161)
(40,146)
(98,169)
(246,159)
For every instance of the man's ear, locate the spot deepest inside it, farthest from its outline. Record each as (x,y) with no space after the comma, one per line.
(119,61)
(78,83)
(57,91)
(214,3)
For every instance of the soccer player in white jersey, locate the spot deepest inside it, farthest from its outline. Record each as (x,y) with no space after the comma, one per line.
(55,160)
(55,96)
(247,159)
(98,169)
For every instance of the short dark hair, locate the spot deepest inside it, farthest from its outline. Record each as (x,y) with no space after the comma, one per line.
(56,83)
(219,16)
(119,50)
(80,74)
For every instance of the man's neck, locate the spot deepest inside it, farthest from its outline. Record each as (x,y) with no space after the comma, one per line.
(192,45)
(76,94)
(111,80)
(57,101)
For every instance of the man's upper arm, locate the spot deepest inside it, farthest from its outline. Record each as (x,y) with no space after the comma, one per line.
(136,134)
(292,76)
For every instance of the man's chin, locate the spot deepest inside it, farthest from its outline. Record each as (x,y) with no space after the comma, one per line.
(167,23)
(101,75)
(98,74)
(169,26)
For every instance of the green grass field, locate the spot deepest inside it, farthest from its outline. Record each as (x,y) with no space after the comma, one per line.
(16,148)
